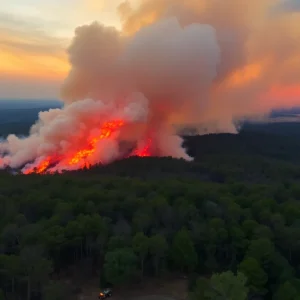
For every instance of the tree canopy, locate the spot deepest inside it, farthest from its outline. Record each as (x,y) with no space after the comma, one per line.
(230,218)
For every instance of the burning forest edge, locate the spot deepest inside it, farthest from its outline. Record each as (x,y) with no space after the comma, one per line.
(80,158)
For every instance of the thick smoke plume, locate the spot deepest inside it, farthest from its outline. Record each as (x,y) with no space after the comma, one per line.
(203,63)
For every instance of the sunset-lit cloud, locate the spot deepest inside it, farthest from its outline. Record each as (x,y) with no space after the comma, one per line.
(27,50)
(28,55)
(34,36)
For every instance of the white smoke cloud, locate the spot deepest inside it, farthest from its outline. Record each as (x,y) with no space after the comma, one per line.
(144,80)
(193,63)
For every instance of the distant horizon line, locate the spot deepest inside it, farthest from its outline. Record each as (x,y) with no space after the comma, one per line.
(30,99)
(275,110)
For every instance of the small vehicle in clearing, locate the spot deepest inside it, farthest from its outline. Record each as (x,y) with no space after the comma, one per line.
(105,294)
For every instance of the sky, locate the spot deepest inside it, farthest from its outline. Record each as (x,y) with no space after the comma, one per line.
(34,35)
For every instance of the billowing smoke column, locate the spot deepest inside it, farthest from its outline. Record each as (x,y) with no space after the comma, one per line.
(174,61)
(120,90)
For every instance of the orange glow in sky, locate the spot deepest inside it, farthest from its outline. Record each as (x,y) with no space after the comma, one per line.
(34,36)
(25,65)
(246,74)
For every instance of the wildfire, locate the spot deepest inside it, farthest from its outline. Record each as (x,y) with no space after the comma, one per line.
(40,168)
(106,131)
(81,156)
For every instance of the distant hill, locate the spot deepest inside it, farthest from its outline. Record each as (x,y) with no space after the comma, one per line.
(6,104)
(285,112)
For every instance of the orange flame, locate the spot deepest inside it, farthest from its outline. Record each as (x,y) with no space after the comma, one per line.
(41,168)
(144,152)
(80,156)
(106,132)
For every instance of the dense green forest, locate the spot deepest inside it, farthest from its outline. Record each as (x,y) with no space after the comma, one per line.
(229,220)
